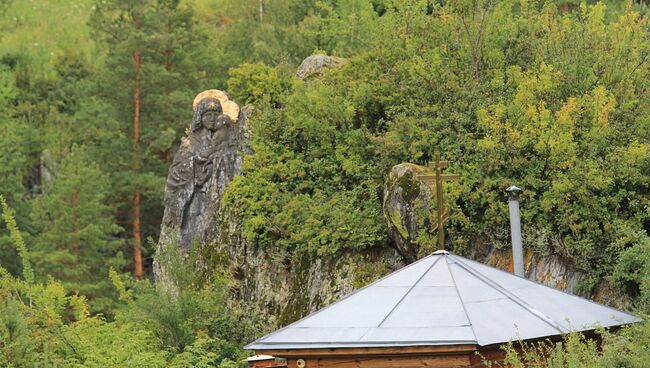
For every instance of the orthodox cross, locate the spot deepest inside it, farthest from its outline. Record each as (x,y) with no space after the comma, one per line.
(437,178)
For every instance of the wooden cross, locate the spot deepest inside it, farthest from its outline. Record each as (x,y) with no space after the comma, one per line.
(437,178)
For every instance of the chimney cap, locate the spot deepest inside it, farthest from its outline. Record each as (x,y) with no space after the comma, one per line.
(513,192)
(513,189)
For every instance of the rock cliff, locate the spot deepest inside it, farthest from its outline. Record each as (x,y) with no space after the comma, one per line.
(208,159)
(280,287)
(273,284)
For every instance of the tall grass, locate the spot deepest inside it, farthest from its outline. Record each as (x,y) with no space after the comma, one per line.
(40,30)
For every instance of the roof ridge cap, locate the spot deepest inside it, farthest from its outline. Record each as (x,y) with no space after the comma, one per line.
(537,283)
(522,303)
(408,292)
(261,339)
(462,303)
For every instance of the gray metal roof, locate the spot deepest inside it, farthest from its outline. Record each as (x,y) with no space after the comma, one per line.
(444,299)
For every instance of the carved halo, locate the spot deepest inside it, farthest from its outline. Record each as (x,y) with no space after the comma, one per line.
(229,108)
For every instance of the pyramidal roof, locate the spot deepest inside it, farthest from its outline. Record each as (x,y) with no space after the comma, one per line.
(444,299)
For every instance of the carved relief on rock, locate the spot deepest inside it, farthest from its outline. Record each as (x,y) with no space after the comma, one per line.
(207,160)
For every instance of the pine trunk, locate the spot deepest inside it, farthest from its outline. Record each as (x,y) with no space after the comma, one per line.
(137,237)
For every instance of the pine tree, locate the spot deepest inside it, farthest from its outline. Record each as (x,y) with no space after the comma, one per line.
(157,60)
(14,166)
(77,239)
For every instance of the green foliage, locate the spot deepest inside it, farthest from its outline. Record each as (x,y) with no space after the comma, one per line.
(96,343)
(574,351)
(190,322)
(627,348)
(242,37)
(345,27)
(259,83)
(43,324)
(15,166)
(17,240)
(549,98)
(188,317)
(207,352)
(311,184)
(76,241)
(550,95)
(29,28)
(632,272)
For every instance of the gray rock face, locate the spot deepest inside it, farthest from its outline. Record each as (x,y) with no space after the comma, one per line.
(549,270)
(207,161)
(279,288)
(407,210)
(270,283)
(316,65)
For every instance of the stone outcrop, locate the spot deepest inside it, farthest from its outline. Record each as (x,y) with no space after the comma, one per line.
(270,283)
(407,209)
(208,159)
(279,288)
(273,284)
(315,65)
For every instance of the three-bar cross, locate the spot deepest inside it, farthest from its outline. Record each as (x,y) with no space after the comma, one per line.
(438,178)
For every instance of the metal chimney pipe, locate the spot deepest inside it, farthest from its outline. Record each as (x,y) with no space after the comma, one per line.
(515,230)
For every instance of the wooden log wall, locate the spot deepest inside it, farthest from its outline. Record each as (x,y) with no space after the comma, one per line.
(411,357)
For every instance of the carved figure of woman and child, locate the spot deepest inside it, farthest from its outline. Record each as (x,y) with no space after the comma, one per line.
(207,160)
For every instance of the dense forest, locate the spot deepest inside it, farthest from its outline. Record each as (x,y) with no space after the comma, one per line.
(96,95)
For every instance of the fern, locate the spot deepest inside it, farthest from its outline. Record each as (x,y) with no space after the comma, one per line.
(17,240)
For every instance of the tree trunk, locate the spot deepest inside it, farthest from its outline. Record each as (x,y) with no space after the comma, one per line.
(135,220)
(74,205)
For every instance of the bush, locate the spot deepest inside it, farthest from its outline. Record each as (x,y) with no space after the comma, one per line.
(628,348)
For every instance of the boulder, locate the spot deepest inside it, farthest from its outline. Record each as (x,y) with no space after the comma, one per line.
(407,209)
(316,65)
